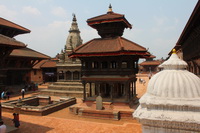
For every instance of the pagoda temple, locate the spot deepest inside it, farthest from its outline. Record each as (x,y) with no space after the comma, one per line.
(109,63)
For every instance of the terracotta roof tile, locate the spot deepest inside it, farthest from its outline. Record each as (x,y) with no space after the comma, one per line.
(29,53)
(48,64)
(154,62)
(38,65)
(4,40)
(118,45)
(109,16)
(105,17)
(4,22)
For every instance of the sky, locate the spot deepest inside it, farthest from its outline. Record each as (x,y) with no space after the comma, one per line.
(157,24)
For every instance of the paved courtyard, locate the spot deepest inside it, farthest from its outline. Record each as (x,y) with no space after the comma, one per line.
(63,121)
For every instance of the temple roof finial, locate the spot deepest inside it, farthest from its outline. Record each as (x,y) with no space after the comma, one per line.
(174,51)
(74,17)
(110,9)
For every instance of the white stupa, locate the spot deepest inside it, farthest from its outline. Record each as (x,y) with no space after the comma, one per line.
(172,101)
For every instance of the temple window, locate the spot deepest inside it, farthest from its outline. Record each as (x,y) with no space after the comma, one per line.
(61,75)
(95,64)
(124,64)
(113,64)
(104,65)
(68,75)
(135,65)
(85,64)
(76,75)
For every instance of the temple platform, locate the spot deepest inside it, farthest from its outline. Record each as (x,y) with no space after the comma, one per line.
(113,111)
(68,88)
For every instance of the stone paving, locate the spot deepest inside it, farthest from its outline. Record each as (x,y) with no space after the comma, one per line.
(65,122)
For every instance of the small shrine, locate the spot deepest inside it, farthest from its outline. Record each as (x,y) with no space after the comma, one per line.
(172,101)
(109,63)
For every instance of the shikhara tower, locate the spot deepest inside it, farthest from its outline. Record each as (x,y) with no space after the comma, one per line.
(69,69)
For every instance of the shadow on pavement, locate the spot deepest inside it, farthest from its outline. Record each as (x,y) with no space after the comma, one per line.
(25,127)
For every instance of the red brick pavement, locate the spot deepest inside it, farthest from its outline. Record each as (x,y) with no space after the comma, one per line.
(64,122)
(47,124)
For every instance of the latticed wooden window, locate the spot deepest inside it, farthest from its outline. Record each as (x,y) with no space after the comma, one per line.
(113,64)
(104,65)
(95,64)
(124,64)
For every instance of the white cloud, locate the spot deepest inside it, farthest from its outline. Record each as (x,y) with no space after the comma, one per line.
(58,24)
(52,42)
(7,13)
(160,21)
(88,34)
(30,10)
(164,24)
(59,11)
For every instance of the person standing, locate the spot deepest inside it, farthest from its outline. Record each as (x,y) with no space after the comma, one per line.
(2,127)
(23,92)
(16,120)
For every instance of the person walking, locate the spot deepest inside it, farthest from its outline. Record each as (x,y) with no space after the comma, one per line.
(23,92)
(2,127)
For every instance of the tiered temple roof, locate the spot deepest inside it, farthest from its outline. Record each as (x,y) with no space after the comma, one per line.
(14,29)
(110,27)
(109,47)
(27,52)
(11,42)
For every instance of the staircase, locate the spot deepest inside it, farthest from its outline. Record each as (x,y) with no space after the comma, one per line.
(69,88)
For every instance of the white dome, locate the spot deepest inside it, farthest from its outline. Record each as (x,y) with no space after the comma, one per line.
(172,97)
(174,81)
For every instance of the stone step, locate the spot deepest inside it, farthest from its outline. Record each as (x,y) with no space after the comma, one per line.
(62,93)
(68,83)
(67,88)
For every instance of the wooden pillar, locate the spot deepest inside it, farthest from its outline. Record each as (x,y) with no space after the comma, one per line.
(84,91)
(127,91)
(99,90)
(64,73)
(132,89)
(111,91)
(72,75)
(57,77)
(95,89)
(135,87)
(90,90)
